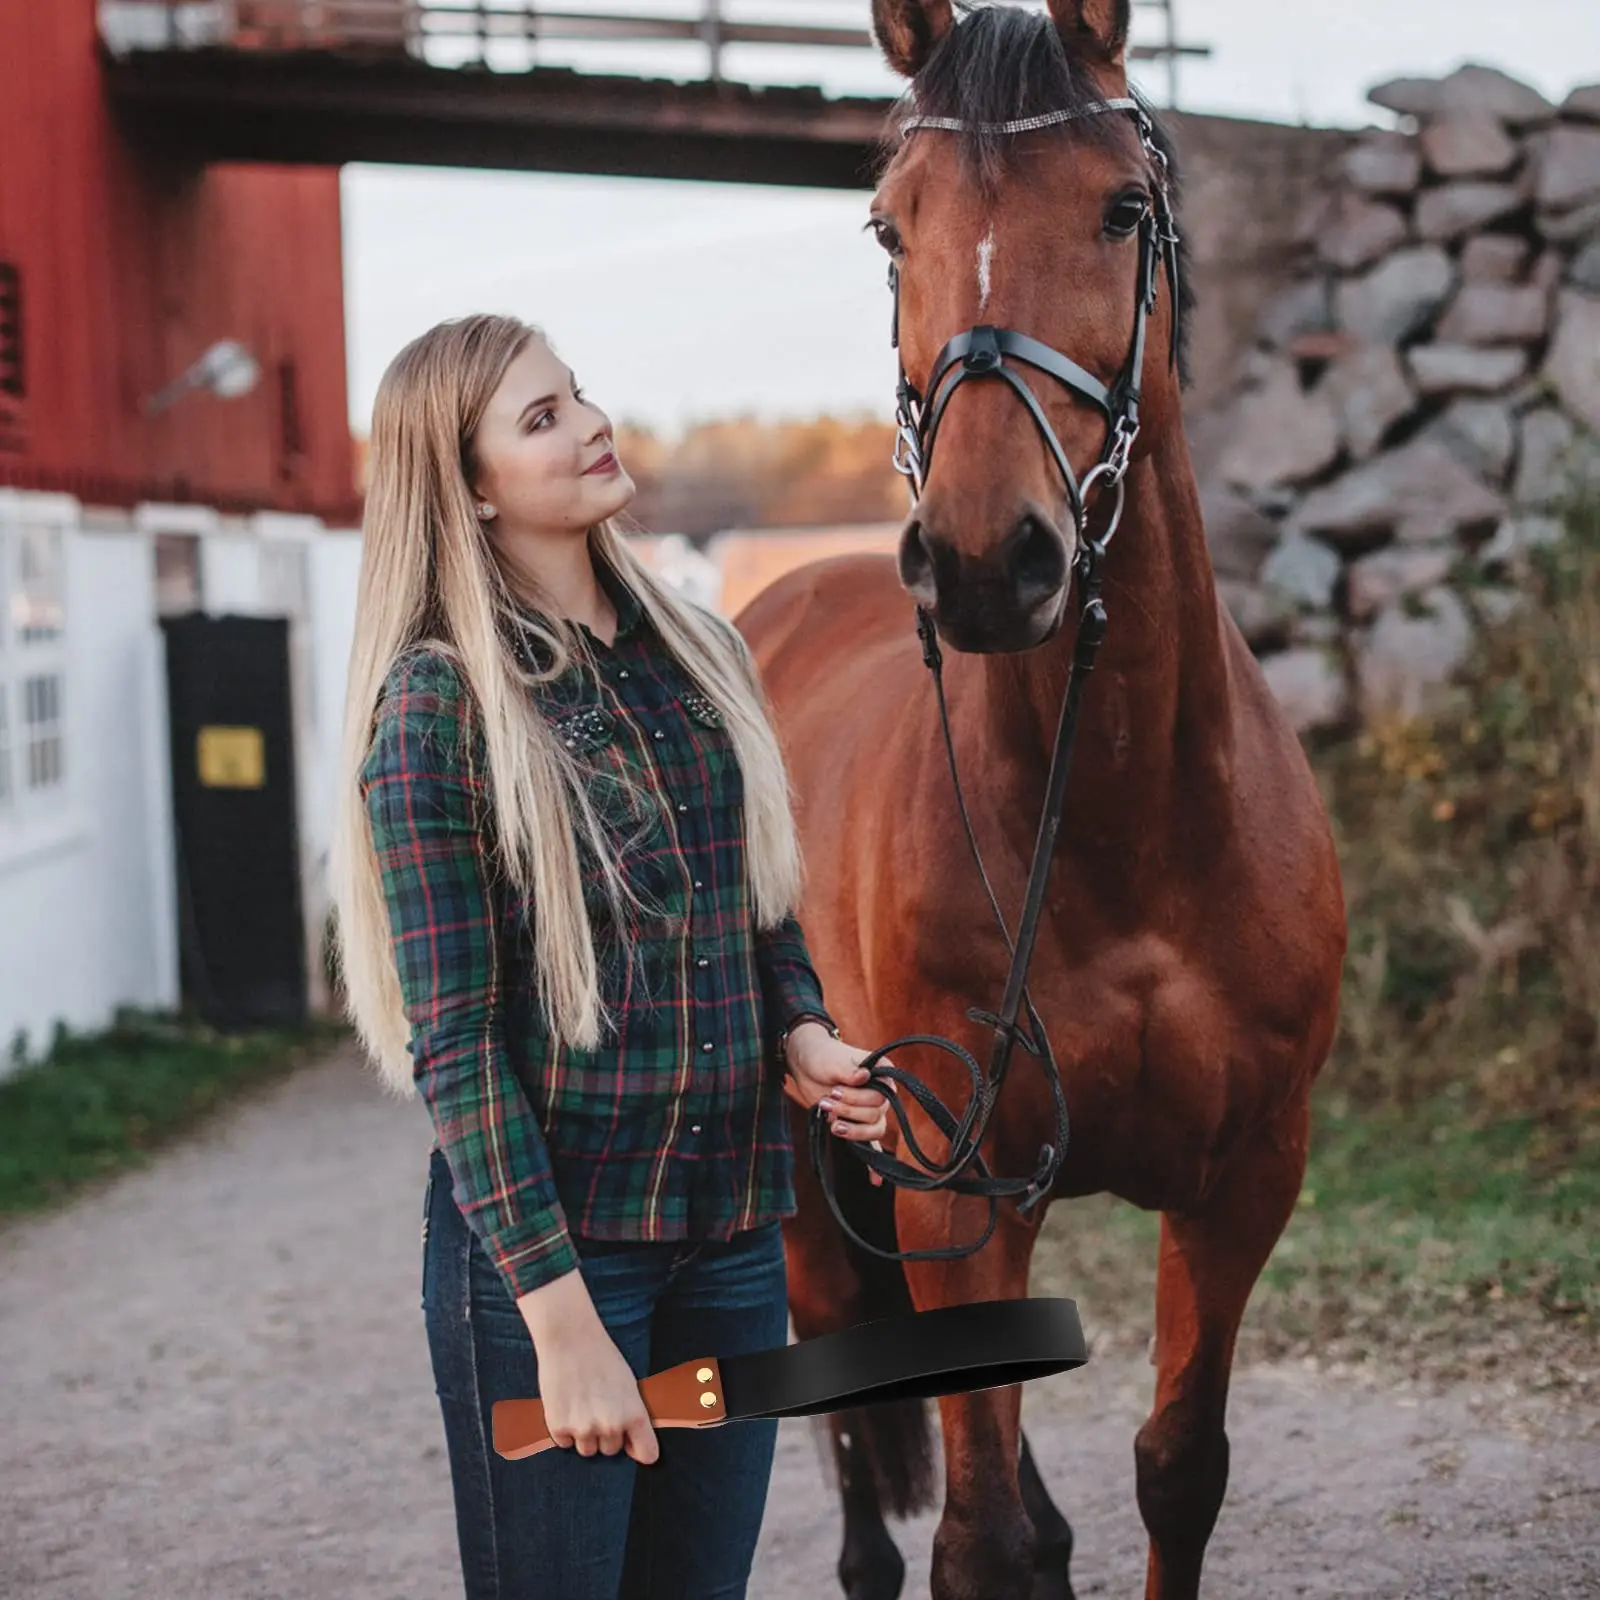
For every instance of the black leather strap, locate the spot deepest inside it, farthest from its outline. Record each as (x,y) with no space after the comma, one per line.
(950,1350)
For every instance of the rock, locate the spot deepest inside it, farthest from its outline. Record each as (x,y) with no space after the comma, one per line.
(1384,576)
(1310,686)
(1420,492)
(1496,606)
(1238,535)
(1494,258)
(1303,569)
(1453,209)
(1315,208)
(1369,393)
(1547,436)
(1573,364)
(1566,167)
(1468,144)
(1264,616)
(1317,627)
(1303,307)
(1284,435)
(1465,368)
(1584,273)
(1472,88)
(1546,272)
(1384,163)
(1496,313)
(1397,298)
(1480,434)
(1359,231)
(1566,227)
(1583,104)
(1514,537)
(1414,648)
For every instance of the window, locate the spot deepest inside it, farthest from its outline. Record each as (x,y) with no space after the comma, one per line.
(33,688)
(13,372)
(178,588)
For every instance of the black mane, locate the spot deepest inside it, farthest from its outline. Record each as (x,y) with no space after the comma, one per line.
(999,62)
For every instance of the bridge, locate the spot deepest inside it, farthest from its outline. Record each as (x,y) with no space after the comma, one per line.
(493,84)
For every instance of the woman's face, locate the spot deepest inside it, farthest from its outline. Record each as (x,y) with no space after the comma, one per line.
(546,461)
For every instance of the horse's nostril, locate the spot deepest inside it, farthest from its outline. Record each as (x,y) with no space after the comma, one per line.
(1040,560)
(916,562)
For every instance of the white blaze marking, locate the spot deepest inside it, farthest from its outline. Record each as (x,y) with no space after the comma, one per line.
(985,254)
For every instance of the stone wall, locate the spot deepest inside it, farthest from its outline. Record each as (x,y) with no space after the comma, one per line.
(1416,402)
(1243,185)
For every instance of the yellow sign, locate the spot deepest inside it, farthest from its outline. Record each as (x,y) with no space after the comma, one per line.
(232,758)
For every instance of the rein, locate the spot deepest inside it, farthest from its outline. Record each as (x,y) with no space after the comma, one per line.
(981,352)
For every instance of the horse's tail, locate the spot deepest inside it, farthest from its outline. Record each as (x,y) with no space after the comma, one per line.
(894,1437)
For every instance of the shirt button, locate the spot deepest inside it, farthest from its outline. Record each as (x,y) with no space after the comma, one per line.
(682,807)
(694,1127)
(698,884)
(660,734)
(708,1045)
(623,673)
(702,962)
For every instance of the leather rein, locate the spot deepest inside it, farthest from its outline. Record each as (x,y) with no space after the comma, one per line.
(982,352)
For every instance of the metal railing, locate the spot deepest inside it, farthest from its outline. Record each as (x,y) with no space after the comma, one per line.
(465,30)
(515,34)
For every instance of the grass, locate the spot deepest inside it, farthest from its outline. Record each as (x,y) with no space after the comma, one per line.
(99,1104)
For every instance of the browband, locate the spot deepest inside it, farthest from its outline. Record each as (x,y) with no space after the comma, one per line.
(1019,124)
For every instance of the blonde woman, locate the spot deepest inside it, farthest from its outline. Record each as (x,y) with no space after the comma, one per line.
(565,869)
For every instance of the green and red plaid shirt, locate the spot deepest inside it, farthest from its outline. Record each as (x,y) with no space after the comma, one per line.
(676,1126)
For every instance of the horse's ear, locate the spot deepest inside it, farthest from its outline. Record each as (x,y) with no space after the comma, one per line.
(907,31)
(1099,25)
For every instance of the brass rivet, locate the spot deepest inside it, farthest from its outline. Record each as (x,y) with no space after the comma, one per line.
(708,1399)
(704,1374)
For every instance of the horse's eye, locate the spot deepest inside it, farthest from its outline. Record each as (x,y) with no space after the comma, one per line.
(1125,213)
(884,232)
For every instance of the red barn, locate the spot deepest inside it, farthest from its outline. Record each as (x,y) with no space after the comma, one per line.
(117,273)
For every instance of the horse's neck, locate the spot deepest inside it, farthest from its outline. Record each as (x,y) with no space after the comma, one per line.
(1154,742)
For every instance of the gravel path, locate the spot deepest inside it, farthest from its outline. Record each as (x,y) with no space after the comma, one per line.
(217,1388)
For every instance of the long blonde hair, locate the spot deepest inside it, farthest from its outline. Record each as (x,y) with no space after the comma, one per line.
(429,577)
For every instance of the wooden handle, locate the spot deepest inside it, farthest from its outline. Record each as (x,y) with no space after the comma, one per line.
(688,1395)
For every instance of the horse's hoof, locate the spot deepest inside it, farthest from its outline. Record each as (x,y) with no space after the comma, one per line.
(878,1573)
(1050,1573)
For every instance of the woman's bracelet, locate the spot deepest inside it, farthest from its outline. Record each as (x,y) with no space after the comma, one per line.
(806,1016)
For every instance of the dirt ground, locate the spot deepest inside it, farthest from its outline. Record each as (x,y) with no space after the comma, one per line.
(217,1388)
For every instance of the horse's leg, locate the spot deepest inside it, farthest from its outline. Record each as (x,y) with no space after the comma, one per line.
(1052,1533)
(1210,1260)
(882,1454)
(983,1547)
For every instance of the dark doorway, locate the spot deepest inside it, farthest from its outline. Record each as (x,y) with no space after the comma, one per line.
(240,935)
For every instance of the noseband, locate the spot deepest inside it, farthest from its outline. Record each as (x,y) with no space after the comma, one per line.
(982,352)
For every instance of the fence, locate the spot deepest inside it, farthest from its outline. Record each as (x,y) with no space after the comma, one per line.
(458,32)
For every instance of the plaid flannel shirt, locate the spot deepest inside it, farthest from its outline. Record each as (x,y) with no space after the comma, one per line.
(676,1125)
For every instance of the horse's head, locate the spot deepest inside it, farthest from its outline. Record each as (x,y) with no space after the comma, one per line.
(1041,243)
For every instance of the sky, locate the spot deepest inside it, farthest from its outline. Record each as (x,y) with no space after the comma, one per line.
(678,302)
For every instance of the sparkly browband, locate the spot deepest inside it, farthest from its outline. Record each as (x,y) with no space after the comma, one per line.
(1020,124)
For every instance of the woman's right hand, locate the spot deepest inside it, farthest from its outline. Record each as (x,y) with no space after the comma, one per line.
(591,1396)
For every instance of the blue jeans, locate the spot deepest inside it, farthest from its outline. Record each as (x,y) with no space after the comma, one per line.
(562,1526)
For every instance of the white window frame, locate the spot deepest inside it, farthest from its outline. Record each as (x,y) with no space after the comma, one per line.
(36,819)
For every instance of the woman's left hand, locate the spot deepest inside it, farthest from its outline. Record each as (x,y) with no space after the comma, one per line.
(824,1071)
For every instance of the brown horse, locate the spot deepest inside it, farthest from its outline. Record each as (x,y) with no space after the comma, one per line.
(1190,947)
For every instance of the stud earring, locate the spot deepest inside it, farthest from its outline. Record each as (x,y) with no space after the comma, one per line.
(485,512)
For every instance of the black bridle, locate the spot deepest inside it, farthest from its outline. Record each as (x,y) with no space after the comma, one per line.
(982,351)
